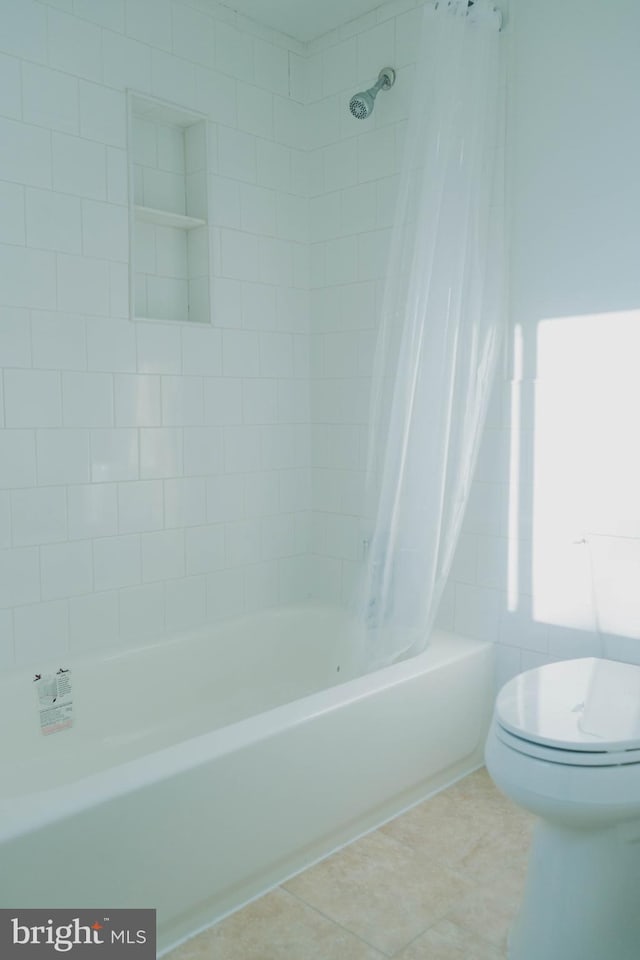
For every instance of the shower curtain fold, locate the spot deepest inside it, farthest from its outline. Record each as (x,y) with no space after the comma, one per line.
(440,328)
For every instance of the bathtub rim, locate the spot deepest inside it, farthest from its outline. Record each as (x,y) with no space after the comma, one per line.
(25,813)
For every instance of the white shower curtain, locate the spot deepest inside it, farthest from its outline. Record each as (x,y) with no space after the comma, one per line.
(440,332)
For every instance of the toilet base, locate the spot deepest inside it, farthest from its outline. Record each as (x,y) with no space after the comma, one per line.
(582,895)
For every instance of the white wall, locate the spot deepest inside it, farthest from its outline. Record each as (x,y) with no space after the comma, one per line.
(152,476)
(560,462)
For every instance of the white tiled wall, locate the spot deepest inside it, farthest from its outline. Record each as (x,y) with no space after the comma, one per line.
(156,476)
(152,476)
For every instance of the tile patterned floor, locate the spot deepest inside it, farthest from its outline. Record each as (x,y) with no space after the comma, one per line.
(441,882)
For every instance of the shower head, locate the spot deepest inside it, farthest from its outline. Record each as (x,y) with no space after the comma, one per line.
(361,104)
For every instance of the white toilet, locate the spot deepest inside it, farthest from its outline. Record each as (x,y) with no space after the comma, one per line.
(565,744)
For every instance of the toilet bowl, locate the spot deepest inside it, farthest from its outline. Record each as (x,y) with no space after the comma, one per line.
(564,744)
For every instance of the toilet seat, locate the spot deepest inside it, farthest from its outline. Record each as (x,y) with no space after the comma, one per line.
(582,712)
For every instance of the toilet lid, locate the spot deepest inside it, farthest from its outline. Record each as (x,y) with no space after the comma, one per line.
(588,705)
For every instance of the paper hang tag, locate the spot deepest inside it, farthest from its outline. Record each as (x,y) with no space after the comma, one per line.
(55,700)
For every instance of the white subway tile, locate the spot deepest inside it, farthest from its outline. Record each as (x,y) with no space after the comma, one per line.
(261,585)
(240,357)
(41,632)
(273,165)
(225,594)
(58,341)
(114,455)
(92,511)
(79,167)
(160,452)
(150,22)
(127,63)
(25,29)
(118,289)
(39,515)
(159,348)
(227,302)
(240,255)
(193,37)
(255,110)
(66,570)
(116,562)
(5,519)
(222,401)
(49,98)
(142,612)
(339,67)
(105,230)
(15,337)
(93,621)
(10,92)
(258,206)
(185,603)
(182,401)
(261,493)
(376,154)
(27,277)
(290,122)
(12,225)
(137,401)
(276,354)
(271,66)
(83,285)
(25,153)
(19,576)
(53,221)
(163,555)
(242,542)
(376,47)
(117,186)
(109,15)
(276,261)
(234,51)
(242,448)
(74,45)
(205,550)
(201,351)
(215,95)
(185,502)
(203,450)
(63,456)
(140,506)
(259,306)
(103,114)
(259,400)
(32,398)
(408,29)
(236,154)
(172,78)
(6,639)
(278,537)
(87,399)
(225,498)
(111,346)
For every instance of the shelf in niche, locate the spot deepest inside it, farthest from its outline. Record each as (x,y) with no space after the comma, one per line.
(166,218)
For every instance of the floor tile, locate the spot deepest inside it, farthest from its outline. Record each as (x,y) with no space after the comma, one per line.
(276,927)
(448,941)
(442,882)
(382,891)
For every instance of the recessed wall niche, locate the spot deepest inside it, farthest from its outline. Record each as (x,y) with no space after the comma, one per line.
(169,269)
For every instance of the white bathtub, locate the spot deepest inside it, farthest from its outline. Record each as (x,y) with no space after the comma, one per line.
(204,769)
